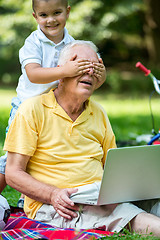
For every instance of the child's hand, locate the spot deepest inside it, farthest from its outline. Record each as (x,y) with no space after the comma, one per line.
(76,67)
(100,72)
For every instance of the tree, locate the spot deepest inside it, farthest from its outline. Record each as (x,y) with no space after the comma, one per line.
(16,24)
(116,27)
(152,29)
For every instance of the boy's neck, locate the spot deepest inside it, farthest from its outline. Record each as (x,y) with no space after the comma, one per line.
(55,39)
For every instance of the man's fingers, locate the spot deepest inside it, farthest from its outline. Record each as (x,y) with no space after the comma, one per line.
(72,190)
(64,199)
(63,204)
(67,211)
(66,214)
(67,202)
(63,214)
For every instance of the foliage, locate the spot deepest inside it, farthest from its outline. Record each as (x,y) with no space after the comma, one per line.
(118,28)
(16,23)
(108,19)
(115,26)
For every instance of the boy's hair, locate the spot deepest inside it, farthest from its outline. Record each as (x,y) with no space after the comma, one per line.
(35,2)
(65,53)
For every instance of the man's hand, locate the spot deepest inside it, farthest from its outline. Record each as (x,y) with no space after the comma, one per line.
(77,67)
(99,72)
(62,203)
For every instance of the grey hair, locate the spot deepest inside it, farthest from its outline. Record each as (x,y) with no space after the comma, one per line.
(65,53)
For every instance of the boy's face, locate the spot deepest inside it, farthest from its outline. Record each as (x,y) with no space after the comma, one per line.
(51,16)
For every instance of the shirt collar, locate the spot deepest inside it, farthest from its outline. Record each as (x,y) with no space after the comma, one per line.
(43,37)
(49,101)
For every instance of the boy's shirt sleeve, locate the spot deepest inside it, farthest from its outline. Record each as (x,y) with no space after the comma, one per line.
(31,51)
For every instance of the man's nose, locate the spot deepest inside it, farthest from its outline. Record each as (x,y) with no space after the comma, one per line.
(90,72)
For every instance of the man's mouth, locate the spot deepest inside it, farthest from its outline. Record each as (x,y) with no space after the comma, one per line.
(86,82)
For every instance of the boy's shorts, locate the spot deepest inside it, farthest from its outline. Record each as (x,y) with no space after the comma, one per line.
(15,105)
(3,163)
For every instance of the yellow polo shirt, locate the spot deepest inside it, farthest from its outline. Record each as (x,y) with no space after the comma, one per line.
(63,153)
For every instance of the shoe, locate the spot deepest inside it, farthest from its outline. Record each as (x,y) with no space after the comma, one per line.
(20,203)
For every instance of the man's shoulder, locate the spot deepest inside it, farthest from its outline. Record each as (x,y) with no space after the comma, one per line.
(40,102)
(31,104)
(97,106)
(98,111)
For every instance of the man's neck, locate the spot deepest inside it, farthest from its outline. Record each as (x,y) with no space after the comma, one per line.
(71,105)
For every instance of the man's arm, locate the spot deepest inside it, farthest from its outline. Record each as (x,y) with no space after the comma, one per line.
(18,178)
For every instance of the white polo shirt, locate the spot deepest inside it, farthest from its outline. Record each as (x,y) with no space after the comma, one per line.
(38,49)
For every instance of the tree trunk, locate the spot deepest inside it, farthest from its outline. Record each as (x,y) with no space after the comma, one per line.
(152,29)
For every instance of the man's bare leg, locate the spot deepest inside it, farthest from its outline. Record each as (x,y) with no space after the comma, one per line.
(2,182)
(146,223)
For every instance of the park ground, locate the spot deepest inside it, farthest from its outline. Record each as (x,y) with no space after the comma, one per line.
(129,116)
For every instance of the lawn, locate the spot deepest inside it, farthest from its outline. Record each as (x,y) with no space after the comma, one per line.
(129,117)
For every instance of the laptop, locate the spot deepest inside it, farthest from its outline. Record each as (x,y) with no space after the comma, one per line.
(130,174)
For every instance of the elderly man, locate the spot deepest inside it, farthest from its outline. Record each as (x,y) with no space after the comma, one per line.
(57,143)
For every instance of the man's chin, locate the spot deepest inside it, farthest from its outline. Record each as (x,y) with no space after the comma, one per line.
(86,93)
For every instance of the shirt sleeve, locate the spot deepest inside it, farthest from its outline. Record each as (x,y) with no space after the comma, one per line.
(22,135)
(31,51)
(109,139)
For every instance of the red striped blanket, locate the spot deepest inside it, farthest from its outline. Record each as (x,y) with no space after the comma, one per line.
(20,227)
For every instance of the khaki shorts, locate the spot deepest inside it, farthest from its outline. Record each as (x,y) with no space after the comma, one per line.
(113,217)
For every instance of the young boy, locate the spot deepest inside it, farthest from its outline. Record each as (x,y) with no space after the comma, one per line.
(39,56)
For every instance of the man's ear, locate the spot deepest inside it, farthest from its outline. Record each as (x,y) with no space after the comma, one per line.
(73,58)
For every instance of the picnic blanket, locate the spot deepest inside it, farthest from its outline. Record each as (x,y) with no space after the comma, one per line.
(20,227)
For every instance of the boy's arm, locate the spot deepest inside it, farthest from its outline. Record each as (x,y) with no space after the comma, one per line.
(100,72)
(40,75)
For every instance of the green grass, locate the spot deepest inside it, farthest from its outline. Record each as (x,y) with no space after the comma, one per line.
(131,236)
(128,116)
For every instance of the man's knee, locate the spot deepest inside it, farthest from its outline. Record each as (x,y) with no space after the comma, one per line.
(146,223)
